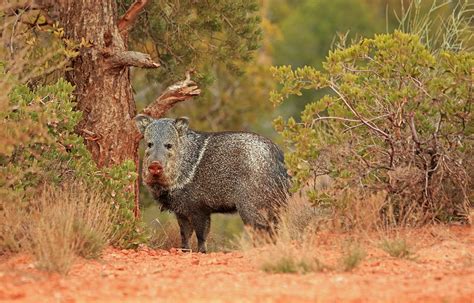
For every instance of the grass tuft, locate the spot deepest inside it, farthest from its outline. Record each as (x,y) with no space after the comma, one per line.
(352,257)
(67,222)
(290,264)
(291,248)
(398,248)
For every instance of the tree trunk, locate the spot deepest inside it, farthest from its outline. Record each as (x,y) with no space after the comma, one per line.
(102,78)
(103,89)
(102,82)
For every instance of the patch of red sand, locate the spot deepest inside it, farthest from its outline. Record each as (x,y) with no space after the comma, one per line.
(442,271)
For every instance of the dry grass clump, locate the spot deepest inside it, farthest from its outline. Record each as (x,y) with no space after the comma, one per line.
(165,235)
(12,231)
(284,253)
(291,247)
(353,211)
(68,222)
(397,247)
(288,263)
(352,256)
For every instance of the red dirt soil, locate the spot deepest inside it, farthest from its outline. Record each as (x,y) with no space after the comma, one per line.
(442,270)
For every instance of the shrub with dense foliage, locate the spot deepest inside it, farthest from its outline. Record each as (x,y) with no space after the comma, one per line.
(39,149)
(50,152)
(396,125)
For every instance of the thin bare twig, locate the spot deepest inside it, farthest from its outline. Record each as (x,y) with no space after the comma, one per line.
(368,124)
(414,133)
(360,124)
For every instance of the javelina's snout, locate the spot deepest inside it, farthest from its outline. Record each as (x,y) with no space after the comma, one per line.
(155,168)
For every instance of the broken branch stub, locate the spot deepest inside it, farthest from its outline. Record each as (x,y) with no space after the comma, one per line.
(129,58)
(175,93)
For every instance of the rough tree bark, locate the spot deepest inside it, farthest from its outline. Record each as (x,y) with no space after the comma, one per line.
(101,77)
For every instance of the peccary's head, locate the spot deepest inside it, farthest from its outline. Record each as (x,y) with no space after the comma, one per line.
(163,139)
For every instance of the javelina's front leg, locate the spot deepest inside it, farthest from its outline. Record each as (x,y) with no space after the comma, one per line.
(201,224)
(185,229)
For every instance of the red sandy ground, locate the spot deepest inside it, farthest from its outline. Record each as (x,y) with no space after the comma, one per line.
(442,270)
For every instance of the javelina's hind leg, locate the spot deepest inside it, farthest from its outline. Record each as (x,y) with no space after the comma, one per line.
(185,229)
(201,224)
(255,218)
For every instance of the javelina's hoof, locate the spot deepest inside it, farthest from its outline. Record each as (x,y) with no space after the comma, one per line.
(202,249)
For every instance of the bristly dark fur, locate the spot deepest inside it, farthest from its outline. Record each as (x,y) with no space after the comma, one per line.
(205,173)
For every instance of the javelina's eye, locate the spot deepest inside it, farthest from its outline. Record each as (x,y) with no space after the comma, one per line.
(168,145)
(150,144)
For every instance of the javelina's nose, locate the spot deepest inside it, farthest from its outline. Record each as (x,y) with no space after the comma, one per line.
(155,168)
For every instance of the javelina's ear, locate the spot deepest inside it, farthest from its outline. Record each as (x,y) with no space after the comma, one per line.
(181,125)
(142,122)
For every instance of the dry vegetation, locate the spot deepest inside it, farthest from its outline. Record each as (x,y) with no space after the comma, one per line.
(73,220)
(398,248)
(64,223)
(304,228)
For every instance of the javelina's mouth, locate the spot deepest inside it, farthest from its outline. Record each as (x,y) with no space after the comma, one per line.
(152,179)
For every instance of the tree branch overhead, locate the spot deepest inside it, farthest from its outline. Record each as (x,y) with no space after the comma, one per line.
(127,20)
(177,92)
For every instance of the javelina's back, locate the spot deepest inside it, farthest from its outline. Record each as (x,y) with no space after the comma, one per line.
(243,172)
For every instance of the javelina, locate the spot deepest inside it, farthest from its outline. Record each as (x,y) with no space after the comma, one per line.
(195,174)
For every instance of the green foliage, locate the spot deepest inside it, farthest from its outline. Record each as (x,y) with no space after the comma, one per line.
(39,145)
(219,40)
(308,30)
(398,120)
(50,152)
(197,34)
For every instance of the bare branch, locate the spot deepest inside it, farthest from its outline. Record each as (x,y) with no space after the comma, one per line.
(127,20)
(361,124)
(414,133)
(129,58)
(11,9)
(178,92)
(48,20)
(365,122)
(320,118)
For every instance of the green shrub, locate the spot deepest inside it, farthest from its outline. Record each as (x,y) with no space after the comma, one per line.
(38,145)
(50,152)
(398,121)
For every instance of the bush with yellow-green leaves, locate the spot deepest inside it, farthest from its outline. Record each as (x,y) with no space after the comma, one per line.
(396,124)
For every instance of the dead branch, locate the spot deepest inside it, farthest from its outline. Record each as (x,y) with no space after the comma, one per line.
(48,20)
(12,9)
(127,20)
(414,133)
(178,92)
(129,58)
(348,105)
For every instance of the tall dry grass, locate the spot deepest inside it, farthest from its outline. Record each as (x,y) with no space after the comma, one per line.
(67,222)
(295,244)
(290,248)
